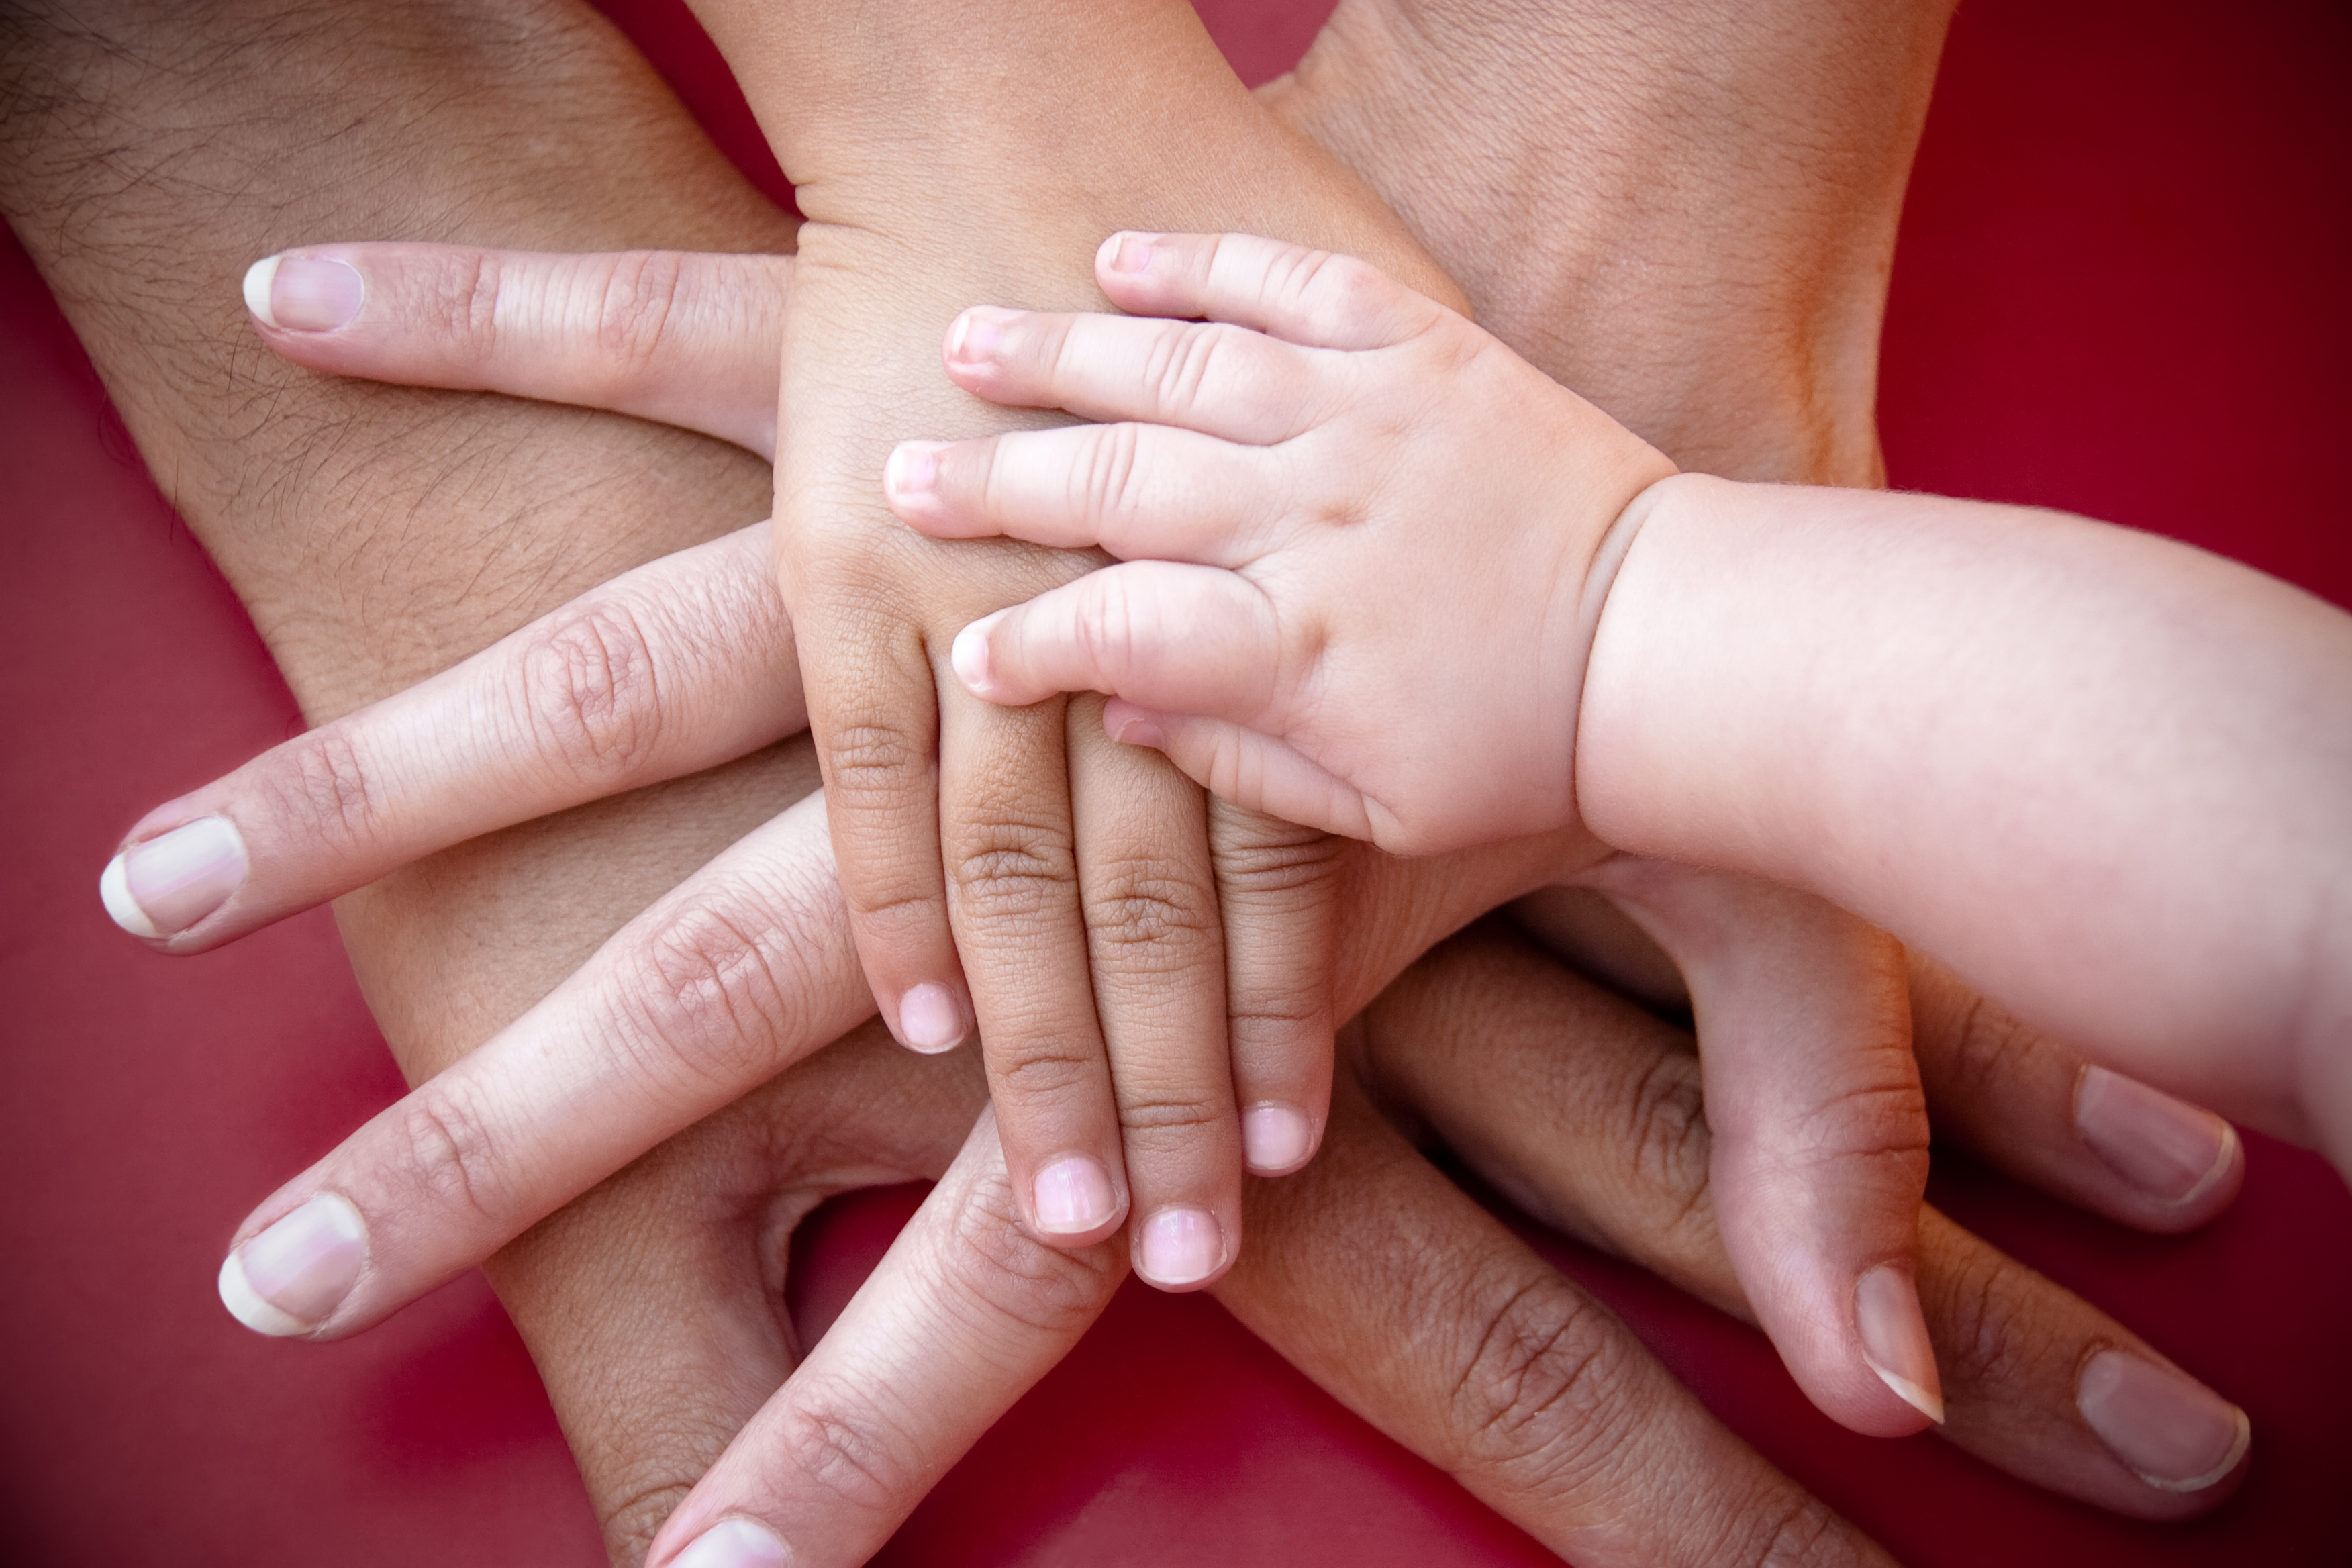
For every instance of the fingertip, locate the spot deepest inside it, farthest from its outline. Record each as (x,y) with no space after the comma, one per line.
(1895,1340)
(1129,725)
(932,1019)
(910,479)
(1278,1138)
(974,660)
(1125,254)
(734,1543)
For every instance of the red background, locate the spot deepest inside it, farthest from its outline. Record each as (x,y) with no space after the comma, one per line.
(2120,290)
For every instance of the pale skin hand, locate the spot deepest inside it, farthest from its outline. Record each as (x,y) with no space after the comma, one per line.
(2114,716)
(619,1370)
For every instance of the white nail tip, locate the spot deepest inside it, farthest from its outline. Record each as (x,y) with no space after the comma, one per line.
(2212,1177)
(1931,1406)
(114,889)
(257,279)
(250,1307)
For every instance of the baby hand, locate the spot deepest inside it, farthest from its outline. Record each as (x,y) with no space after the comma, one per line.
(1367,544)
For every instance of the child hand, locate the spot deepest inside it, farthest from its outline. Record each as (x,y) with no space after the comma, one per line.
(1367,543)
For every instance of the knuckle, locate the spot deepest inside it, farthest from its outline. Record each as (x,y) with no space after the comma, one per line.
(1053,1069)
(1984,1048)
(446,1153)
(709,996)
(1162,1115)
(1141,916)
(1803,1532)
(1671,1141)
(870,764)
(1984,1336)
(631,1522)
(634,307)
(1535,1392)
(1107,482)
(1007,867)
(590,691)
(837,1441)
(997,1269)
(329,789)
(1262,857)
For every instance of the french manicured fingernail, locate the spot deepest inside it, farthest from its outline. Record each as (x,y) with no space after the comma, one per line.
(973,665)
(304,293)
(976,334)
(292,1276)
(913,469)
(1179,1247)
(1895,1340)
(1074,1196)
(738,1543)
(2172,1151)
(1128,253)
(2175,1433)
(161,886)
(1275,1138)
(929,1020)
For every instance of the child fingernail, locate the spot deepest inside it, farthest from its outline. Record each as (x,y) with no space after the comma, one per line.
(1131,726)
(2170,1150)
(1128,253)
(161,886)
(1073,1196)
(1895,1340)
(2176,1435)
(738,1543)
(291,1278)
(304,293)
(1275,1138)
(976,333)
(1179,1247)
(913,469)
(930,1019)
(971,657)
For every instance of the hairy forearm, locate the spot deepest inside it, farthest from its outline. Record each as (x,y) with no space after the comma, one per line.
(149,152)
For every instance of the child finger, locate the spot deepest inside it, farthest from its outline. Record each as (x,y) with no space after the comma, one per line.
(1158,955)
(686,338)
(1217,379)
(1255,771)
(1318,299)
(1133,491)
(1820,1162)
(1188,639)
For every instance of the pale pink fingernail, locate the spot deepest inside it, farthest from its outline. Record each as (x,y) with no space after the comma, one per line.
(1895,1338)
(930,1019)
(161,886)
(2172,1432)
(304,293)
(1131,726)
(1275,1138)
(738,1543)
(292,1276)
(969,656)
(913,469)
(1129,253)
(2172,1151)
(1073,1196)
(1179,1247)
(975,334)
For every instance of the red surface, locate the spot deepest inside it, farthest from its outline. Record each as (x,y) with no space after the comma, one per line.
(2119,291)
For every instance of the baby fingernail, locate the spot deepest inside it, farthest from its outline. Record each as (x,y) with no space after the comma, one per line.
(2173,1432)
(1179,1247)
(976,334)
(1275,1138)
(973,665)
(2172,1151)
(1129,253)
(929,1020)
(738,1543)
(1073,1196)
(292,1276)
(1895,1338)
(304,293)
(161,886)
(1133,727)
(913,469)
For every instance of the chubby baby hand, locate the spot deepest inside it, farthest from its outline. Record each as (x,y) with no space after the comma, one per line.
(1363,545)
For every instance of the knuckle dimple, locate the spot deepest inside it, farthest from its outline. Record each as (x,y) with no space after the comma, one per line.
(589,695)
